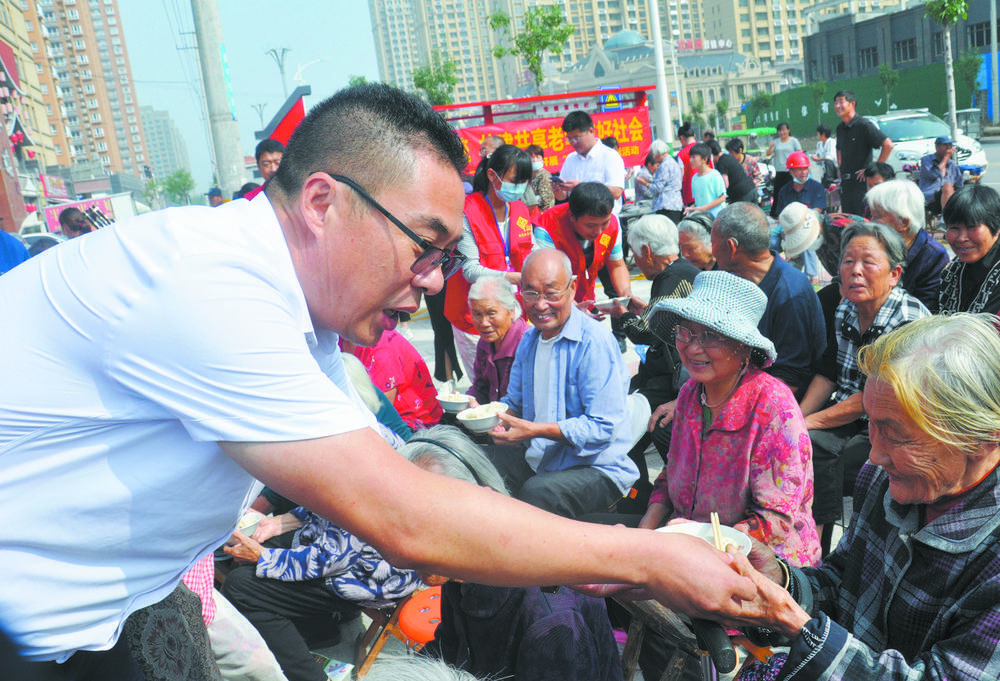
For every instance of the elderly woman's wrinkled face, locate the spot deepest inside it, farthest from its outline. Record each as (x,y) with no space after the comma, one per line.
(865,274)
(970,243)
(491,319)
(709,357)
(695,251)
(890,219)
(920,469)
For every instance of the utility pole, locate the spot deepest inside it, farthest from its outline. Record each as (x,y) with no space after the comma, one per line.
(259,108)
(278,54)
(223,128)
(660,96)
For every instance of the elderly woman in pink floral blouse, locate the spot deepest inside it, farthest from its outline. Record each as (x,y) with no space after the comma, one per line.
(739,443)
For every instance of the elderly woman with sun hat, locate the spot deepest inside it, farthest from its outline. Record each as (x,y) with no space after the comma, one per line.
(739,444)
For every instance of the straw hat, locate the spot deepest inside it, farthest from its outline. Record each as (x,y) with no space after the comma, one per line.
(727,304)
(800,224)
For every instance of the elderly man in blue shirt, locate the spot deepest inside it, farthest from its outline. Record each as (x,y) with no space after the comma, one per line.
(563,445)
(940,176)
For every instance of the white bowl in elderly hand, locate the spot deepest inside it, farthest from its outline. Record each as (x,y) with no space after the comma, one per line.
(453,402)
(247,525)
(482,418)
(704,531)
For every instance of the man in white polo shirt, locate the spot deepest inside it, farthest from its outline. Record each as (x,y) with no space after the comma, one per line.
(591,161)
(161,367)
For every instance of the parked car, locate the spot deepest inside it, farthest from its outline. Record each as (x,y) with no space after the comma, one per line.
(36,242)
(913,132)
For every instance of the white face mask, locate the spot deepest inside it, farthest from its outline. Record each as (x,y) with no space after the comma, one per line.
(537,165)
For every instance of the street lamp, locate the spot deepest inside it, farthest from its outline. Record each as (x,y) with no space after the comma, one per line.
(278,54)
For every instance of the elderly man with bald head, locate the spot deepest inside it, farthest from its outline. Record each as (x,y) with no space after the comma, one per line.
(563,445)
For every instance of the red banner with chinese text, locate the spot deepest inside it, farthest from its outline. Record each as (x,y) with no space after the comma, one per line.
(629,126)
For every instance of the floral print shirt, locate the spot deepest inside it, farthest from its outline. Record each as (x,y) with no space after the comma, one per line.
(753,467)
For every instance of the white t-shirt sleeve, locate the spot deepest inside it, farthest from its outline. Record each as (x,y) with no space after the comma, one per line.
(224,355)
(615,170)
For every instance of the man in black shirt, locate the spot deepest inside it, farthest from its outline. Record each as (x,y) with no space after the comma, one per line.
(739,186)
(856,138)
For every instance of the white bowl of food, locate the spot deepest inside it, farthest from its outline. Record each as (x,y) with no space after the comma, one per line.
(482,418)
(453,402)
(704,531)
(248,523)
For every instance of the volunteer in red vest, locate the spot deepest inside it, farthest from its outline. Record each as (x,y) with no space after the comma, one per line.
(496,238)
(585,229)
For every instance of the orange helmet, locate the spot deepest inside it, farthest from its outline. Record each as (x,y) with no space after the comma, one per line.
(797,159)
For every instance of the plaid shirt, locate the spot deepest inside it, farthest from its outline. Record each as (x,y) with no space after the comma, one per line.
(901,601)
(898,309)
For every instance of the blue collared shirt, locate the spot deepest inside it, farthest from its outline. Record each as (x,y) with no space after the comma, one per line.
(587,388)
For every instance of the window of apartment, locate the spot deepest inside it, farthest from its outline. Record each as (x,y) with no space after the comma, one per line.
(72,15)
(92,103)
(760,16)
(836,64)
(747,47)
(80,44)
(102,146)
(105,160)
(904,50)
(133,128)
(112,21)
(113,30)
(97,132)
(139,156)
(34,46)
(82,59)
(28,25)
(136,139)
(978,34)
(867,58)
(75,29)
(744,32)
(95,118)
(109,10)
(937,44)
(89,89)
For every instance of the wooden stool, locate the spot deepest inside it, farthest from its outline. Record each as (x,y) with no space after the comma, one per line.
(413,621)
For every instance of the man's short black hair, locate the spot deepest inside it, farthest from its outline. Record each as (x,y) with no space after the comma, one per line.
(650,160)
(70,214)
(369,133)
(591,198)
(734,146)
(713,146)
(883,170)
(847,95)
(577,121)
(268,146)
(685,130)
(824,129)
(701,149)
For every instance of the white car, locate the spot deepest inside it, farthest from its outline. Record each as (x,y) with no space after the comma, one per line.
(913,132)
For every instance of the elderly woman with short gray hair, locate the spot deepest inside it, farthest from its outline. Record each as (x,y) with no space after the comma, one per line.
(496,314)
(871,266)
(695,240)
(900,205)
(666,185)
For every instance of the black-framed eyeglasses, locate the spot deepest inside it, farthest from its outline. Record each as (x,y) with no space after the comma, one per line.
(449,261)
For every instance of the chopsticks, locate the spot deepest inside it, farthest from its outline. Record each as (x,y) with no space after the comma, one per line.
(717,532)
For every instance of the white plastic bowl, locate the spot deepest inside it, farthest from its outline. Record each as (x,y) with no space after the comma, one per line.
(475,420)
(704,531)
(453,403)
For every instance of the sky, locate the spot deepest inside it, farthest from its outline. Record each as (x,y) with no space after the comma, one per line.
(328,42)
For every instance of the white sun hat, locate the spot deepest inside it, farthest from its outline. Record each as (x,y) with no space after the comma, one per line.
(800,224)
(727,304)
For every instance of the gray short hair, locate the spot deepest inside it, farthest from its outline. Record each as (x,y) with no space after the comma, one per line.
(562,257)
(943,371)
(892,243)
(747,225)
(656,231)
(659,148)
(901,198)
(492,287)
(698,225)
(415,668)
(449,451)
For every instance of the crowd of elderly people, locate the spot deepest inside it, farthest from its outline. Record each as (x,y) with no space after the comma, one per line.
(767,406)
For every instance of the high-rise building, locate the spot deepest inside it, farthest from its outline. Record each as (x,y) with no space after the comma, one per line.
(167,151)
(408,32)
(89,61)
(774,30)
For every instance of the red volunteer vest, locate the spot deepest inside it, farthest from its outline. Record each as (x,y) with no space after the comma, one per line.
(556,221)
(491,252)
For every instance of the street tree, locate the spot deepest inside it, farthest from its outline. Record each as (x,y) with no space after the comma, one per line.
(353,80)
(545,30)
(761,102)
(947,13)
(437,79)
(818,90)
(696,113)
(177,187)
(721,114)
(889,77)
(967,71)
(151,194)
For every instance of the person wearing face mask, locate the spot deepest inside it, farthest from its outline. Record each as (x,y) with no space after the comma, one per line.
(496,238)
(802,189)
(541,179)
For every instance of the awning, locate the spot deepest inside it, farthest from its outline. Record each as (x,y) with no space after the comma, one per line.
(9,65)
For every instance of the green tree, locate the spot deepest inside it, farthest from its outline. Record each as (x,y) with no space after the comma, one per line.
(722,114)
(696,112)
(761,102)
(889,77)
(177,187)
(967,71)
(545,30)
(947,13)
(353,80)
(818,90)
(437,79)
(151,194)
